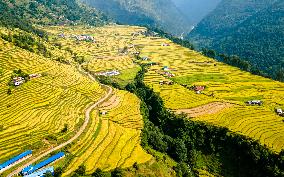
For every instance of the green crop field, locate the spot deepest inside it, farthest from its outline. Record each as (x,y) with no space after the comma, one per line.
(227,88)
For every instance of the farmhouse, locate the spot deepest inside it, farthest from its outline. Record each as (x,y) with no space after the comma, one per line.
(34,76)
(15,160)
(254,102)
(168,74)
(145,58)
(166,82)
(166,68)
(152,63)
(198,89)
(85,38)
(103,113)
(136,53)
(279,112)
(109,73)
(165,44)
(18,81)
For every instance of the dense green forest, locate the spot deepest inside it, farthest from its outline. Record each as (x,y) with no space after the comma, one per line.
(250,29)
(23,14)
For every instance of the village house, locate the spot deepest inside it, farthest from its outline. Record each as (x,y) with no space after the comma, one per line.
(254,102)
(165,44)
(198,89)
(168,74)
(108,73)
(103,113)
(166,68)
(34,76)
(18,81)
(279,112)
(166,83)
(145,58)
(85,38)
(61,35)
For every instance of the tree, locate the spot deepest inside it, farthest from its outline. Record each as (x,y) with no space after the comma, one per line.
(280,75)
(81,170)
(64,130)
(183,170)
(135,165)
(48,174)
(9,92)
(58,172)
(180,150)
(117,172)
(98,173)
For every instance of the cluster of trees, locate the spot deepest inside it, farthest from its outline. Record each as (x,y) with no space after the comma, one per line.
(28,42)
(234,60)
(182,138)
(12,18)
(81,171)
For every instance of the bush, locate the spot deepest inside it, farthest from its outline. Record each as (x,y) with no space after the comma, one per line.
(117,173)
(81,170)
(98,173)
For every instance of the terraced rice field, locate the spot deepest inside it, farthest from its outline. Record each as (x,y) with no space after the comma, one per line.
(40,107)
(36,112)
(113,140)
(106,52)
(223,84)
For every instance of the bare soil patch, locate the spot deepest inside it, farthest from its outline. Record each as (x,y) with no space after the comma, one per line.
(210,108)
(111,103)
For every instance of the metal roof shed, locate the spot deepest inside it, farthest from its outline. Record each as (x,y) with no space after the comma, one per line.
(41,173)
(31,169)
(15,159)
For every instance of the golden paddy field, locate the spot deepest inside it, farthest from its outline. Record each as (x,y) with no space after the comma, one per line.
(224,84)
(36,112)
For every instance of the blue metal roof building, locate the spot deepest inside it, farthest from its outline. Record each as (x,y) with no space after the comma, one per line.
(41,173)
(15,159)
(31,169)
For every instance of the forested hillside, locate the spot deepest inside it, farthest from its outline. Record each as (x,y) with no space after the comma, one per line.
(251,29)
(22,14)
(158,13)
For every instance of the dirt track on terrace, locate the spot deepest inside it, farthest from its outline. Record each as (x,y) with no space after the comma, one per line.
(210,108)
(80,131)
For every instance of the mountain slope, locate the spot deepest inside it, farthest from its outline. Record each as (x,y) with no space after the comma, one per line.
(157,13)
(196,10)
(250,29)
(22,14)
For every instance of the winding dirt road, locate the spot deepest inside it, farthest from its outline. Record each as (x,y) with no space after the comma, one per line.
(81,130)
